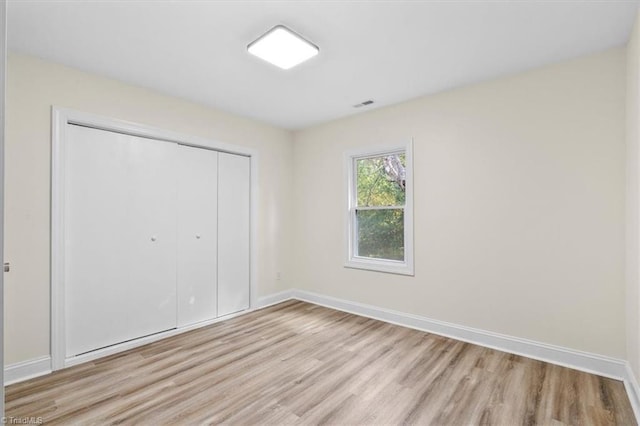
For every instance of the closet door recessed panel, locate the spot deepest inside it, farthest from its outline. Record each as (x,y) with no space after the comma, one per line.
(233,233)
(197,234)
(120,238)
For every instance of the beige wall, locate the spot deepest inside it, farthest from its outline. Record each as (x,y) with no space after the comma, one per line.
(519,205)
(33,87)
(633,200)
(519,199)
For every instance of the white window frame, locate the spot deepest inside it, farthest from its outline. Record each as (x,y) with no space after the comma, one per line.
(381,265)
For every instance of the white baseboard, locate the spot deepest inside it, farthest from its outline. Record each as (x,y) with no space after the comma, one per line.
(633,391)
(583,361)
(274,298)
(24,370)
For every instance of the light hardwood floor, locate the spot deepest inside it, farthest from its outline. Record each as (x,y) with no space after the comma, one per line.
(297,363)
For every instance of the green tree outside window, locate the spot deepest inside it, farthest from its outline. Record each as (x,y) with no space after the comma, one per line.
(380,191)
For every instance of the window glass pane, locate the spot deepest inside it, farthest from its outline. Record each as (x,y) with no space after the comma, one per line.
(380,181)
(381,233)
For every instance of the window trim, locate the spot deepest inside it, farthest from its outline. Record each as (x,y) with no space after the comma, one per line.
(380,265)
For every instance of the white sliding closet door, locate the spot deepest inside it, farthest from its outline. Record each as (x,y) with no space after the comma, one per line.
(120,238)
(233,232)
(197,234)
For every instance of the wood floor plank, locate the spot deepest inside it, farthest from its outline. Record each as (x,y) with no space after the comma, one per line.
(298,363)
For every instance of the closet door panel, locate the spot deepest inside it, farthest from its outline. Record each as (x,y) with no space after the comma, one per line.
(197,234)
(120,238)
(233,233)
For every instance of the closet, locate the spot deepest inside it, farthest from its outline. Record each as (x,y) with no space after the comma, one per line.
(197,205)
(156,237)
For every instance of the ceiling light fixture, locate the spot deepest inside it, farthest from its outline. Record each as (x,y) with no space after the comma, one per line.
(282,47)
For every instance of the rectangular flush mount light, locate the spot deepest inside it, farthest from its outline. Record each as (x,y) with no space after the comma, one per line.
(283,48)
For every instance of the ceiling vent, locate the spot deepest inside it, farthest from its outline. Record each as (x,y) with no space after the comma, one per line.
(365,103)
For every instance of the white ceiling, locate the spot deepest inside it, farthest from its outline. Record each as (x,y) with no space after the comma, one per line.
(388,51)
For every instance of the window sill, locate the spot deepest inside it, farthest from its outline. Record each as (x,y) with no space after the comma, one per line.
(389,267)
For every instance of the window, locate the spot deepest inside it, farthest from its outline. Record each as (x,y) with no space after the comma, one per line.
(380,210)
